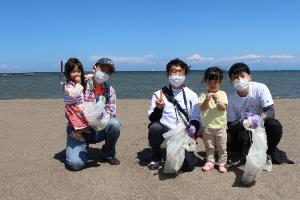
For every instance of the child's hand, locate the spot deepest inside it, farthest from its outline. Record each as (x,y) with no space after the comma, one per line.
(215,97)
(94,70)
(208,96)
(78,79)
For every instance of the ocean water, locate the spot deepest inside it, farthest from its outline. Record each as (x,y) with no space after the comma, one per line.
(141,85)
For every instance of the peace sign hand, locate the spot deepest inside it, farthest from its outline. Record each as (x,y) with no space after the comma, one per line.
(160,103)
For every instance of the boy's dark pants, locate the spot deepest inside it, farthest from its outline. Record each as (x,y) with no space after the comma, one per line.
(156,130)
(237,139)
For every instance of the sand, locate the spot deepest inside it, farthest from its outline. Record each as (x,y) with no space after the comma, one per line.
(33,142)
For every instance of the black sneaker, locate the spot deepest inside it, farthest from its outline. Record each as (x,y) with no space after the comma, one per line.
(112,161)
(156,161)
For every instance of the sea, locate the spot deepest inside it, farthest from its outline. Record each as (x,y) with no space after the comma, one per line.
(283,84)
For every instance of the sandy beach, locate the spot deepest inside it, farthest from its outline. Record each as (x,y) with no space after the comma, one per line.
(33,142)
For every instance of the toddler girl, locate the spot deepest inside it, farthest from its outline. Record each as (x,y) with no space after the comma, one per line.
(213,105)
(73,96)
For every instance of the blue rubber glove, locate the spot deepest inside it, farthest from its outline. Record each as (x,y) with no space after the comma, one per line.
(255,121)
(191,130)
(102,115)
(245,116)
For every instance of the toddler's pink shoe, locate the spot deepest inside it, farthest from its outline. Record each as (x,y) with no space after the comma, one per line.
(222,167)
(208,166)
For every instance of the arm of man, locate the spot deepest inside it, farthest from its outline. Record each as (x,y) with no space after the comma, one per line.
(111,104)
(195,120)
(268,112)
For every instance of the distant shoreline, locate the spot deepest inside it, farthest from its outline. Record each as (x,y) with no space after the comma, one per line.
(58,73)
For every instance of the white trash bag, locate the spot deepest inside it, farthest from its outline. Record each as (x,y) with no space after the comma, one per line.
(256,158)
(100,124)
(91,112)
(176,142)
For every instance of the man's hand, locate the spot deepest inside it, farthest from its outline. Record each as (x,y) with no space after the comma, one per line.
(191,130)
(102,115)
(255,121)
(245,116)
(160,103)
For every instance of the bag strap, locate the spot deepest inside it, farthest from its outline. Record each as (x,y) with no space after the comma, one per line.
(169,95)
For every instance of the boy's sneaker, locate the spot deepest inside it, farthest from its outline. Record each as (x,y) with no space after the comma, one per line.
(208,166)
(156,161)
(268,165)
(222,167)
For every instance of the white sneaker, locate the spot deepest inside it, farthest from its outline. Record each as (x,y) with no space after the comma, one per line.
(268,165)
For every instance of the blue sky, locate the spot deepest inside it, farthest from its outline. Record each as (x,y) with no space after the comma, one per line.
(144,35)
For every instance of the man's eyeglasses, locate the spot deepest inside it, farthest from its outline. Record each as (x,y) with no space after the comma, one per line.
(180,71)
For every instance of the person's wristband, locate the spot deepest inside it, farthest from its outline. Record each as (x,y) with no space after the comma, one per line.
(218,102)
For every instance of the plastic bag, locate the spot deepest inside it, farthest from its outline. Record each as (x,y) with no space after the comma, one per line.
(100,124)
(176,142)
(256,158)
(91,112)
(94,111)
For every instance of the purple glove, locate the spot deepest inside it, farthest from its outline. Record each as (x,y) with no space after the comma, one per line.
(102,115)
(255,121)
(245,116)
(191,130)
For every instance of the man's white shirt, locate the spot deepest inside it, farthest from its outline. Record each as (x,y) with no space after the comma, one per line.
(170,118)
(259,97)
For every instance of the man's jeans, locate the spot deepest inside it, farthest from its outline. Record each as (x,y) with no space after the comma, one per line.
(76,151)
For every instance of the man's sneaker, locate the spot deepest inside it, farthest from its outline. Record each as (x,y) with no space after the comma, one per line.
(156,161)
(112,161)
(268,165)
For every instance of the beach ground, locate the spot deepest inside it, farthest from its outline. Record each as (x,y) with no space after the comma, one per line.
(33,142)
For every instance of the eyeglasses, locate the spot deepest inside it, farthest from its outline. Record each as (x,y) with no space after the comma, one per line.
(179,71)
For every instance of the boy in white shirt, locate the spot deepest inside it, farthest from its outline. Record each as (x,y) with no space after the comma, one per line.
(164,116)
(257,99)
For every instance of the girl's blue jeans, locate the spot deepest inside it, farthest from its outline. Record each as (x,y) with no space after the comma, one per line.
(76,151)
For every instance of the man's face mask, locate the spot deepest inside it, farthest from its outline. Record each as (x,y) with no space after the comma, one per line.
(101,77)
(241,85)
(176,80)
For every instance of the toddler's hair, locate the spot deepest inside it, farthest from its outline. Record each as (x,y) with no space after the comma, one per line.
(69,66)
(213,73)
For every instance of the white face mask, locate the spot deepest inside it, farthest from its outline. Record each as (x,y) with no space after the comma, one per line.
(241,85)
(101,77)
(176,80)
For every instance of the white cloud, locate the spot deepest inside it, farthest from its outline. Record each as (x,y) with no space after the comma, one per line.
(135,60)
(252,56)
(197,57)
(3,66)
(252,59)
(16,66)
(283,56)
